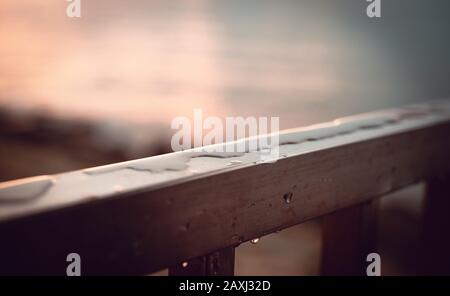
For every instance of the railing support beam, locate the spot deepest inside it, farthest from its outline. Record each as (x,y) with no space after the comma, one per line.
(435,252)
(219,263)
(348,236)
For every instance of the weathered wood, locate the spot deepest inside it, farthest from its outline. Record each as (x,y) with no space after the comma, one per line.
(219,263)
(146,230)
(435,252)
(348,236)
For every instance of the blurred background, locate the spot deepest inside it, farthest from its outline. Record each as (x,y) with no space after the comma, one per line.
(103,88)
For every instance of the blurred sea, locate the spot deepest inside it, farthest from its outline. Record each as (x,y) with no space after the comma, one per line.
(149,61)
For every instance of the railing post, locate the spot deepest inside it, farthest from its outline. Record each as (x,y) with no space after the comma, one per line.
(217,263)
(348,236)
(435,251)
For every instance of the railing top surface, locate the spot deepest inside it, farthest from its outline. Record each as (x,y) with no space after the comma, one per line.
(45,193)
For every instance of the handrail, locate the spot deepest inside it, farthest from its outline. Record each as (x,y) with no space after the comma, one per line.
(140,216)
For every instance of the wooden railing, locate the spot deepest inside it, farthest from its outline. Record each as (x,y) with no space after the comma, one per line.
(188,211)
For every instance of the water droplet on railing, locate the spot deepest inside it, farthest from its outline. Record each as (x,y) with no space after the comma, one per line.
(184,264)
(288,197)
(234,162)
(185,227)
(255,241)
(25,190)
